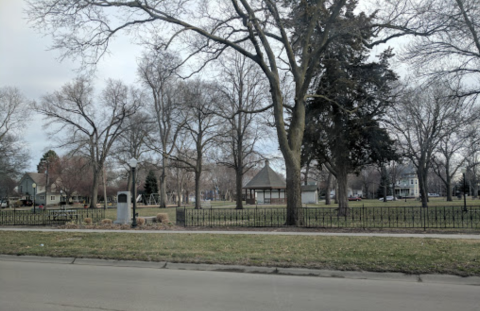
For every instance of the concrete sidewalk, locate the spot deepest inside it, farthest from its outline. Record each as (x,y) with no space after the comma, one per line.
(359,275)
(354,234)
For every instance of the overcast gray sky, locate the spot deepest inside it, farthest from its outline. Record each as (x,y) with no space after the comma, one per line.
(27,63)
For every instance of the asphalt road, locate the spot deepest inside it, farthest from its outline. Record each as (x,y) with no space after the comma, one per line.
(46,286)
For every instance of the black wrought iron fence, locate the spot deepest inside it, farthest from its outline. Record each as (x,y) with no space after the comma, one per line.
(49,217)
(318,217)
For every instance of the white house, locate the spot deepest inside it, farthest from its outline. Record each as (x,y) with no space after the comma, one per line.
(407,183)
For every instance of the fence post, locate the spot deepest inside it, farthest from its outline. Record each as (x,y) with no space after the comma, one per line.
(14,215)
(425,218)
(363,216)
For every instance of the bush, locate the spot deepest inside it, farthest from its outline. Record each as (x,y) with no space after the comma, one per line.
(140,221)
(88,221)
(106,221)
(163,218)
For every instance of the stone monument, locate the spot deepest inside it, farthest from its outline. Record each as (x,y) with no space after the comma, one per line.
(124,214)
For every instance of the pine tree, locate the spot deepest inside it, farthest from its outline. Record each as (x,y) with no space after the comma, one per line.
(49,159)
(151,185)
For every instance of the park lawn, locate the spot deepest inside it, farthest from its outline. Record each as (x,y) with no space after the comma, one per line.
(408,255)
(434,201)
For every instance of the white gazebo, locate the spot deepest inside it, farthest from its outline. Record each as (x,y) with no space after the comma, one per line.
(267,187)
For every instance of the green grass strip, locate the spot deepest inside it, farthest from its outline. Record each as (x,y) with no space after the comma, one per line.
(408,255)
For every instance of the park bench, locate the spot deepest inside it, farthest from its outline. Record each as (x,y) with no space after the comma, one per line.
(63,215)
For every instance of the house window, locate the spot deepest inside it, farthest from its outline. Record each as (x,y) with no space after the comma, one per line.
(52,198)
(42,197)
(411,181)
(21,189)
(416,181)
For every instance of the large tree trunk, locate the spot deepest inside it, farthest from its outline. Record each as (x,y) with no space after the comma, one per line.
(474,184)
(327,194)
(96,180)
(163,185)
(342,179)
(197,190)
(422,184)
(239,184)
(448,185)
(290,142)
(294,194)
(179,189)
(179,198)
(307,171)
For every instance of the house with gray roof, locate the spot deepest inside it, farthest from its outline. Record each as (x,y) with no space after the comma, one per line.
(25,188)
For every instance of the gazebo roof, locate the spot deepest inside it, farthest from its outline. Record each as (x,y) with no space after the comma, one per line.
(266,179)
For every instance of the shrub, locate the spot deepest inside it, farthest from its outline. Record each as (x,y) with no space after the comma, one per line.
(140,221)
(88,221)
(163,218)
(106,221)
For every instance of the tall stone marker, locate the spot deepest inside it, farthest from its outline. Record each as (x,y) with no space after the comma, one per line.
(124,213)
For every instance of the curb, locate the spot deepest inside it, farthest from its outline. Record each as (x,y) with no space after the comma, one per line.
(301,272)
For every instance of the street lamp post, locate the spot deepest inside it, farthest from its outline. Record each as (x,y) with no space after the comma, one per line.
(34,186)
(61,199)
(464,194)
(133,164)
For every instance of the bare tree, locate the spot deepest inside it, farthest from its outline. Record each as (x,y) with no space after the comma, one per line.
(281,37)
(370,180)
(157,71)
(134,142)
(448,159)
(471,159)
(452,49)
(70,174)
(201,128)
(13,111)
(243,88)
(422,118)
(94,126)
(13,154)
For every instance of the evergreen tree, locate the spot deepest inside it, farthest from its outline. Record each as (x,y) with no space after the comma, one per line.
(343,129)
(50,157)
(151,185)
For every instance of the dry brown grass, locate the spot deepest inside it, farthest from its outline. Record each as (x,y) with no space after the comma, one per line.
(163,218)
(140,221)
(106,222)
(386,254)
(88,221)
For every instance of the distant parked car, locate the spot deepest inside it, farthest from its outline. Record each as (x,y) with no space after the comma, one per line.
(389,198)
(355,198)
(433,194)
